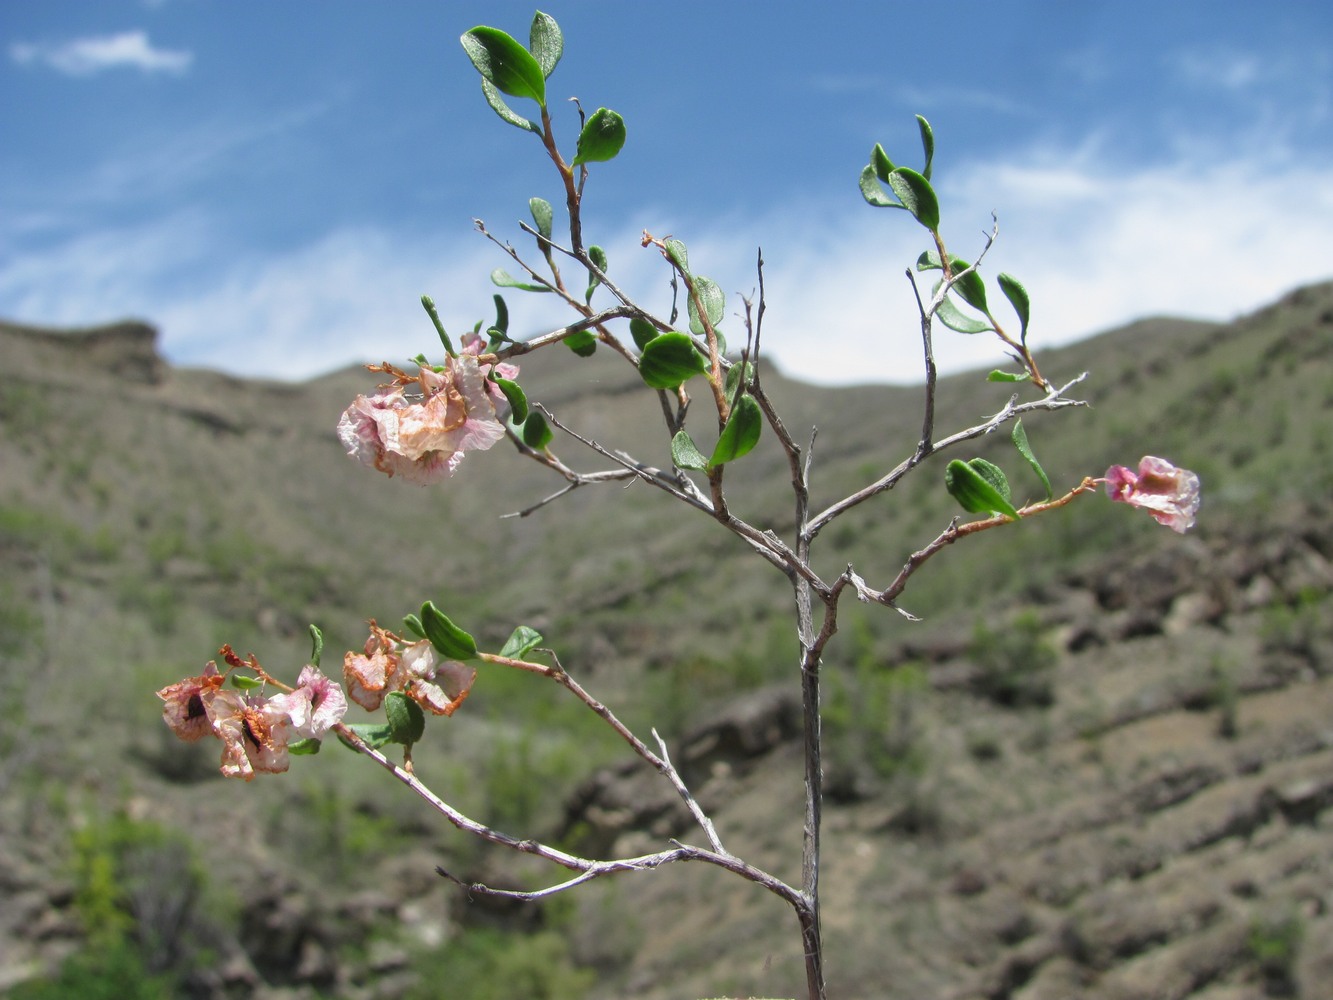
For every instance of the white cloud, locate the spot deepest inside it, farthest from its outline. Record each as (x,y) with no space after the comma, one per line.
(1096,248)
(88,56)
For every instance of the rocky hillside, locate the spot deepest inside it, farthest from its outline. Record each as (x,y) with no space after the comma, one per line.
(1099,768)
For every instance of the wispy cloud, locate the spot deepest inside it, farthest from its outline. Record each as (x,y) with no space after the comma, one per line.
(1096,246)
(89,56)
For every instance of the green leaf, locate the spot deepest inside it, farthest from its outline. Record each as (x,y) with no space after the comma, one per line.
(542,215)
(518,399)
(872,192)
(970,288)
(917,196)
(546,42)
(676,251)
(994,475)
(968,485)
(375,734)
(734,375)
(244,682)
(502,109)
(413,624)
(521,642)
(927,144)
(999,376)
(303,748)
(603,136)
(316,645)
(501,315)
(670,359)
(685,454)
(406,721)
(741,433)
(880,163)
(504,279)
(950,315)
(642,331)
(714,302)
(598,257)
(1018,298)
(450,640)
(428,304)
(583,343)
(504,63)
(536,432)
(1020,439)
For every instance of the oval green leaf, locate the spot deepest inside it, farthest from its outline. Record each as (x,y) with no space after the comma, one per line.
(1018,298)
(546,42)
(685,454)
(955,319)
(450,640)
(603,136)
(518,399)
(406,721)
(598,257)
(542,215)
(970,288)
(504,279)
(583,343)
(670,359)
(303,748)
(927,144)
(642,331)
(1020,439)
(872,192)
(502,109)
(973,491)
(536,432)
(917,196)
(521,642)
(504,63)
(676,251)
(741,433)
(880,162)
(714,302)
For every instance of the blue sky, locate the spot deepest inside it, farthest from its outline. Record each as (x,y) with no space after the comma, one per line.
(275,184)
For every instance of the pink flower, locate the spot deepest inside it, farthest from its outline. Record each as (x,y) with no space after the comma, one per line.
(314,706)
(1169,494)
(186,709)
(434,683)
(254,732)
(423,437)
(371,676)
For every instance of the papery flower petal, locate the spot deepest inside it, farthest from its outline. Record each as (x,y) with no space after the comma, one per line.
(424,440)
(314,706)
(371,676)
(435,683)
(254,734)
(1169,494)
(185,710)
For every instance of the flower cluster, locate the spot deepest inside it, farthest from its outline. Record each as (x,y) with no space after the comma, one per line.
(1169,494)
(256,731)
(423,437)
(415,668)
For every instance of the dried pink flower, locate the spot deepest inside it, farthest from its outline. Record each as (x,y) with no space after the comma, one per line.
(186,710)
(314,706)
(434,683)
(371,676)
(423,438)
(254,732)
(1169,494)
